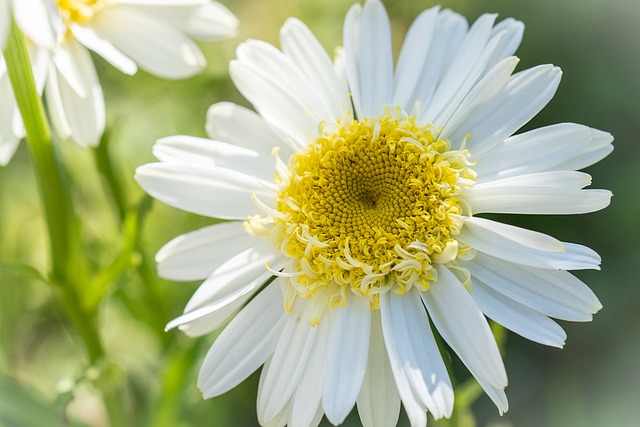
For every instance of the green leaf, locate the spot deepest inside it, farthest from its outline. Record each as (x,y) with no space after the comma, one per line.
(18,407)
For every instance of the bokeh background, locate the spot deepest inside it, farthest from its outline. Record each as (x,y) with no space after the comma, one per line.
(593,381)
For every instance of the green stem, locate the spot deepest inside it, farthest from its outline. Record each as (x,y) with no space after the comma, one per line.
(69,269)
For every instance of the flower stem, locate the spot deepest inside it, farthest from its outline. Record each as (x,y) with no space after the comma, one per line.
(69,267)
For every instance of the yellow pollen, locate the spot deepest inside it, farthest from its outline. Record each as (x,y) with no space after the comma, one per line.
(79,11)
(369,207)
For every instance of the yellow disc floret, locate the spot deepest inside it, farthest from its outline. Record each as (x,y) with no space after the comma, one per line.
(369,207)
(79,11)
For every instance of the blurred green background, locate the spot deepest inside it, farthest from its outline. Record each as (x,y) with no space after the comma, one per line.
(593,381)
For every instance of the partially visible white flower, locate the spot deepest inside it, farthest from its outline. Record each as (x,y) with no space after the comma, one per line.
(11,126)
(154,35)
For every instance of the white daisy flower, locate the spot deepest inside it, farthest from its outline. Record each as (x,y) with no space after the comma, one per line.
(155,35)
(360,188)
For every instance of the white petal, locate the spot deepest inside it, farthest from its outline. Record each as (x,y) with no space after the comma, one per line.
(287,365)
(153,45)
(201,20)
(88,37)
(201,151)
(415,56)
(79,116)
(210,191)
(525,247)
(379,401)
(556,192)
(284,111)
(304,49)
(197,254)
(512,31)
(486,88)
(39,20)
(203,324)
(496,394)
(10,134)
(464,328)
(369,56)
(467,67)
(548,148)
(449,33)
(598,148)
(346,358)
(556,294)
(237,277)
(415,410)
(517,317)
(518,102)
(306,400)
(240,126)
(245,344)
(411,344)
(272,64)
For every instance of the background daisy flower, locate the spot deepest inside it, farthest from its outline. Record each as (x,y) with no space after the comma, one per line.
(371,225)
(155,36)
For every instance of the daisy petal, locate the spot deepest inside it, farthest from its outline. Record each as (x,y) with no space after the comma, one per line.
(272,64)
(411,344)
(556,192)
(496,394)
(284,111)
(486,88)
(346,358)
(367,44)
(525,247)
(306,400)
(202,323)
(598,148)
(245,344)
(220,295)
(518,102)
(415,57)
(467,66)
(517,317)
(197,254)
(242,270)
(512,31)
(240,126)
(201,151)
(39,20)
(378,401)
(554,147)
(462,325)
(88,38)
(153,45)
(287,364)
(80,116)
(301,46)
(11,129)
(201,20)
(181,185)
(556,294)
(448,36)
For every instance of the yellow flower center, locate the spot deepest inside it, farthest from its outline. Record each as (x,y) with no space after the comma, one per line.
(368,207)
(79,11)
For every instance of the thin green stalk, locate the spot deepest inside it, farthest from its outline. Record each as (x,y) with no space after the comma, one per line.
(69,269)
